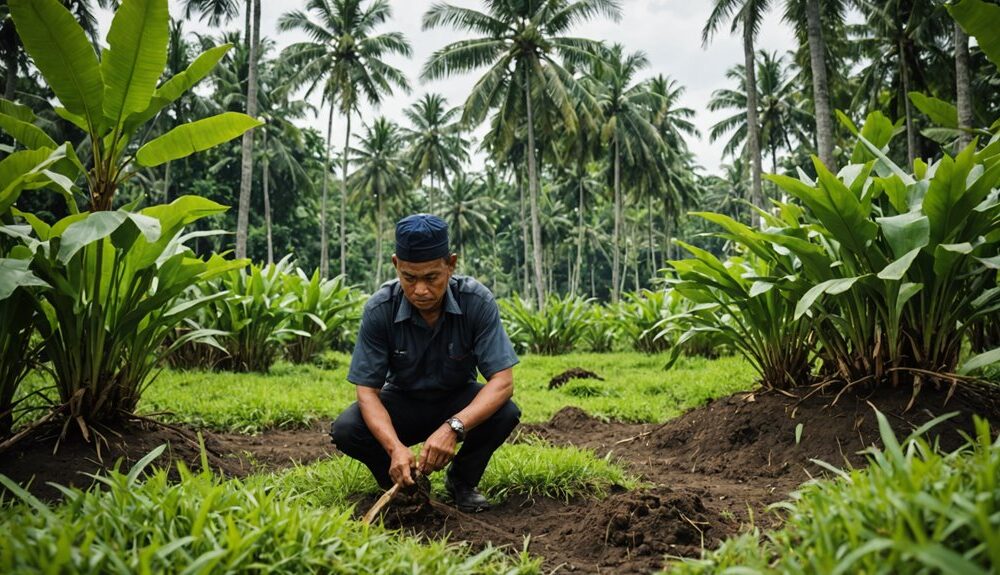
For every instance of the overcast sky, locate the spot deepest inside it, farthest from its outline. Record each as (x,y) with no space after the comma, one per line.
(668,31)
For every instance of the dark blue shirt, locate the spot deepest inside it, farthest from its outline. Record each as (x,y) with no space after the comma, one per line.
(397,348)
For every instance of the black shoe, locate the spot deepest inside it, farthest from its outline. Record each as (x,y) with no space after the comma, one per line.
(466,498)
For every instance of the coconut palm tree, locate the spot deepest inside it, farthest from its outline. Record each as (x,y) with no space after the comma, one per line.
(436,144)
(380,176)
(345,60)
(746,17)
(778,111)
(673,123)
(217,12)
(467,209)
(523,46)
(899,38)
(282,141)
(627,107)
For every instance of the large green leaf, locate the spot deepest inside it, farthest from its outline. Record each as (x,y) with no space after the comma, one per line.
(28,135)
(948,201)
(14,274)
(905,232)
(135,58)
(192,137)
(19,111)
(62,53)
(940,112)
(26,170)
(832,287)
(97,225)
(982,20)
(176,86)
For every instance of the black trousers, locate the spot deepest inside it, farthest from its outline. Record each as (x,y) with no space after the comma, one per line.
(414,418)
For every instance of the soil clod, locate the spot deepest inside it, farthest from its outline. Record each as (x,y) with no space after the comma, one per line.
(572,373)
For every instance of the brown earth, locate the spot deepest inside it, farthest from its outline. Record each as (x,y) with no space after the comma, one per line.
(706,471)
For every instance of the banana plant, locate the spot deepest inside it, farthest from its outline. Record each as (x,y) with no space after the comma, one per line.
(114,97)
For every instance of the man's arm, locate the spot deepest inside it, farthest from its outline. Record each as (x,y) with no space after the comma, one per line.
(439,448)
(380,424)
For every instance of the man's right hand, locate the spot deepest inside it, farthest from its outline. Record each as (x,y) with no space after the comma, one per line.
(401,465)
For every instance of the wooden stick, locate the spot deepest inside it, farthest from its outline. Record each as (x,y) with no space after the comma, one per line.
(382,502)
(27,430)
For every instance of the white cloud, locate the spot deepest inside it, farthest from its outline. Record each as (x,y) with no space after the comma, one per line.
(668,31)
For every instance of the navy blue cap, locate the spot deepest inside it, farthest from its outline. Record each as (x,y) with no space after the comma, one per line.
(421,238)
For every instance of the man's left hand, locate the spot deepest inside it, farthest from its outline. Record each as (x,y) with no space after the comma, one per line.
(437,451)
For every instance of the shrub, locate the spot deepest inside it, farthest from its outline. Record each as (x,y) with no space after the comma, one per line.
(913,510)
(552,331)
(326,310)
(641,315)
(254,318)
(745,303)
(601,330)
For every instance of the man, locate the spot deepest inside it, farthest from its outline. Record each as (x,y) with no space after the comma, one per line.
(422,338)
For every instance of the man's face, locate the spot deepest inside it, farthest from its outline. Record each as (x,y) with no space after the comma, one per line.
(424,282)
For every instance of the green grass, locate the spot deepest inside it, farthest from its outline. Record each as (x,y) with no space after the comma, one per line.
(534,469)
(636,389)
(202,524)
(913,510)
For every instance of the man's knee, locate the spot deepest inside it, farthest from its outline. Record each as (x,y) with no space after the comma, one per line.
(508,416)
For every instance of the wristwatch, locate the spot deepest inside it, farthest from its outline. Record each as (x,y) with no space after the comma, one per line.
(458,427)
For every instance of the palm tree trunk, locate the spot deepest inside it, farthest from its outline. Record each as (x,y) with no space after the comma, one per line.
(579,243)
(616,239)
(536,227)
(343,199)
(911,133)
(10,61)
(378,243)
(324,251)
(963,97)
(821,88)
(753,125)
(246,167)
(267,198)
(652,242)
(166,183)
(525,239)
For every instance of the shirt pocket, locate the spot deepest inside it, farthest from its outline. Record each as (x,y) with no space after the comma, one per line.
(459,364)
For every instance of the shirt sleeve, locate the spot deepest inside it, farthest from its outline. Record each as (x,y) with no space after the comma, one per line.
(370,360)
(494,351)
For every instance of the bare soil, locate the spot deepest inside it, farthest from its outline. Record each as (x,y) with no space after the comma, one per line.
(705,471)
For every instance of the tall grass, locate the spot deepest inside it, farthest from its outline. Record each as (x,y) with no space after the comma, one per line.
(202,524)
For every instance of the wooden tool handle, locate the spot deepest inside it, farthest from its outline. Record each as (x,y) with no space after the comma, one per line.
(382,501)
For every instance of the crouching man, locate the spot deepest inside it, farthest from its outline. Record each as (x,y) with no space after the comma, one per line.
(422,338)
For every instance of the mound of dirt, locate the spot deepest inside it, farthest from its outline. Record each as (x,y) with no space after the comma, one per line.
(768,435)
(572,373)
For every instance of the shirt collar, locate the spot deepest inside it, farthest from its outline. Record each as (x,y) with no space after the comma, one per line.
(405,311)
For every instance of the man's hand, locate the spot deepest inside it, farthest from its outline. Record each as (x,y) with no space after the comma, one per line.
(401,465)
(437,450)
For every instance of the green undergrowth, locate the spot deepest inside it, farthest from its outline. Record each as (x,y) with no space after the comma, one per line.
(203,524)
(636,388)
(912,510)
(532,469)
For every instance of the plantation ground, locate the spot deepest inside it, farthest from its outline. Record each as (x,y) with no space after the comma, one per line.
(683,483)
